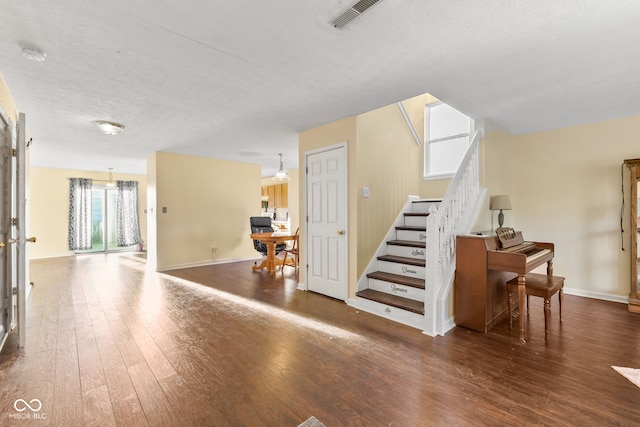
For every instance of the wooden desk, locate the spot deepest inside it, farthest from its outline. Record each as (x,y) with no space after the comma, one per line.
(271,240)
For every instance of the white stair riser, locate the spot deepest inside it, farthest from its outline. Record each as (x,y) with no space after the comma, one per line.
(409,318)
(423,207)
(414,236)
(415,221)
(401,269)
(406,251)
(397,289)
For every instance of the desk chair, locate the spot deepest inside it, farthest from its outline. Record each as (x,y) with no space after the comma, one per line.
(294,252)
(262,224)
(538,285)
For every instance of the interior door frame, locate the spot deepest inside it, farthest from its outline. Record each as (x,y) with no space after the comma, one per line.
(305,255)
(21,227)
(6,293)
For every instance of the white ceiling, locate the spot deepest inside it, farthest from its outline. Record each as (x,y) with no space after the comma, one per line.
(238,80)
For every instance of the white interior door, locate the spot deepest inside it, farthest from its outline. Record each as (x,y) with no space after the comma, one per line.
(13,257)
(327,222)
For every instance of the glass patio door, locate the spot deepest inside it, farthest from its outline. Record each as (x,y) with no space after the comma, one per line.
(103,221)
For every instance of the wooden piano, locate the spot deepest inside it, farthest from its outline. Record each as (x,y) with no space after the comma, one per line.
(483,266)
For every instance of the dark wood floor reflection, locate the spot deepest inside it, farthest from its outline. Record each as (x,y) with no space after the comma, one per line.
(109,343)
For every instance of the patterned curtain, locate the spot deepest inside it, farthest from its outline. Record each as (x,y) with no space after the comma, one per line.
(79,214)
(127,221)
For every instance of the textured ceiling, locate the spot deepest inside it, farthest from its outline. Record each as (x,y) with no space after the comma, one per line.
(238,80)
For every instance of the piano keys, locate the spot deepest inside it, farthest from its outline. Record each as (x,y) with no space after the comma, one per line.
(514,254)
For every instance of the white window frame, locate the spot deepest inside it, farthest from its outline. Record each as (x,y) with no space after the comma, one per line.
(428,174)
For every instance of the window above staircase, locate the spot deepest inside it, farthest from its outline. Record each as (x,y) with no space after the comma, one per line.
(447,136)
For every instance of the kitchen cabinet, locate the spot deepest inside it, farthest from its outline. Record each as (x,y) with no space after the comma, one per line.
(278,195)
(271,192)
(284,196)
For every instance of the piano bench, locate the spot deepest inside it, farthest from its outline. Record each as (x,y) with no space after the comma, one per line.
(539,285)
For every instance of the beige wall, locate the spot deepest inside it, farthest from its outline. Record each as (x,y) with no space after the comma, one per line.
(389,163)
(49,207)
(496,175)
(565,187)
(294,198)
(208,203)
(150,208)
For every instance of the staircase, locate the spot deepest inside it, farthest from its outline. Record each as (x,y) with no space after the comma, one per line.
(395,285)
(410,279)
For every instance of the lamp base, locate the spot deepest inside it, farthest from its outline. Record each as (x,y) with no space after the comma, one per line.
(500,219)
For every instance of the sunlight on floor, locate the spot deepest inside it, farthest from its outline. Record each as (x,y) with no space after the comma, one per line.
(256,306)
(631,374)
(152,289)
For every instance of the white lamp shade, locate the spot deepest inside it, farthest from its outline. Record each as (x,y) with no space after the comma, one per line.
(500,203)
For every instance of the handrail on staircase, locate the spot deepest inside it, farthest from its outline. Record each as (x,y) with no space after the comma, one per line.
(455,215)
(416,138)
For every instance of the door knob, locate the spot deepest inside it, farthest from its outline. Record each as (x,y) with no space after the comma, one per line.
(341,232)
(1,245)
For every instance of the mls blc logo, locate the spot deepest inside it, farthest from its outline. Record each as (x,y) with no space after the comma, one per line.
(21,405)
(28,410)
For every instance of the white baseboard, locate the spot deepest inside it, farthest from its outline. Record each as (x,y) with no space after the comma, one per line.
(596,295)
(205,263)
(448,325)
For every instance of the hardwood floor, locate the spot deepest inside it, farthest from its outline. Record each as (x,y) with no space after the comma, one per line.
(109,343)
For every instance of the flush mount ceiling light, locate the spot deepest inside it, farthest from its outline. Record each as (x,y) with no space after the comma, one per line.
(33,54)
(281,175)
(109,128)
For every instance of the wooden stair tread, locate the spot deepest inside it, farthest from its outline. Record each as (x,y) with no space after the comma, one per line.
(416,214)
(409,243)
(413,282)
(426,201)
(411,228)
(403,260)
(392,300)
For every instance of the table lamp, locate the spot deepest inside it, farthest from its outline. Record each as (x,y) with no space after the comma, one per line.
(500,203)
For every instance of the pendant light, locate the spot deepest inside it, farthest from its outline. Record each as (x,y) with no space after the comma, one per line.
(110,181)
(281,175)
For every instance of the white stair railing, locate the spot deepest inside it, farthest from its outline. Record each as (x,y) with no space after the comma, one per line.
(454,216)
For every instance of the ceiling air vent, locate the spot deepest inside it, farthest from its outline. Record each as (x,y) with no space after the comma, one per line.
(352,13)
